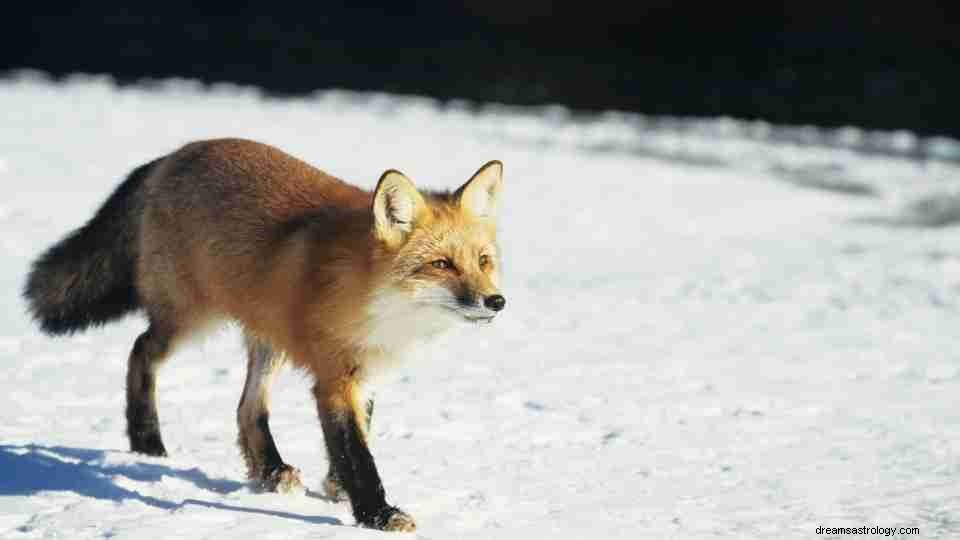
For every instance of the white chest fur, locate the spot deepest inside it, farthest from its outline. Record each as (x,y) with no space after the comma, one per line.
(396,321)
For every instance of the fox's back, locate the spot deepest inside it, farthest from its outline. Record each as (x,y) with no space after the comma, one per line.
(244,183)
(219,215)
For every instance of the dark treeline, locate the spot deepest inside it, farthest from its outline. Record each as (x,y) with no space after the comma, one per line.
(874,64)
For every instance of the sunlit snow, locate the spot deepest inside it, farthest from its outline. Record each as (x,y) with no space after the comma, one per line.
(714,329)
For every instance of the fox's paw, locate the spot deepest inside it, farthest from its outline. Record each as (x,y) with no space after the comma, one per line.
(147,442)
(393,519)
(333,490)
(285,479)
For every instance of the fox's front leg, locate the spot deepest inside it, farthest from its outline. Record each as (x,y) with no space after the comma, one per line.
(343,415)
(332,486)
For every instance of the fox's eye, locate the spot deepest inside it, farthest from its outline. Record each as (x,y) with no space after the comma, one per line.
(441,264)
(484,261)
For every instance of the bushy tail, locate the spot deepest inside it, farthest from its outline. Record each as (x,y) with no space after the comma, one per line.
(89,277)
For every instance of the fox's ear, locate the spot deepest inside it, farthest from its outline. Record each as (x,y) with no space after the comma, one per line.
(397,206)
(480,194)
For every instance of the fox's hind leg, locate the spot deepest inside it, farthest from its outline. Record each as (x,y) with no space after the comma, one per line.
(264,465)
(143,423)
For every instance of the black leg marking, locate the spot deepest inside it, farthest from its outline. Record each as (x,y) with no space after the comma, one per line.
(355,469)
(271,456)
(143,423)
(332,485)
(268,468)
(264,464)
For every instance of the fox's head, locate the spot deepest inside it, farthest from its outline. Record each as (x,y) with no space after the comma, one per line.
(443,246)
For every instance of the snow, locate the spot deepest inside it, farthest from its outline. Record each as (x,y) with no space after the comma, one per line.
(714,329)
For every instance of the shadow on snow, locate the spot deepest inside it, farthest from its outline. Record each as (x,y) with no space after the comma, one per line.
(30,469)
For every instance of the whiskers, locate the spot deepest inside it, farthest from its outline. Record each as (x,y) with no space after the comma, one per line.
(442,298)
(436,296)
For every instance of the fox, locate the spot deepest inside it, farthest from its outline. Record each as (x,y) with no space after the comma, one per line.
(318,273)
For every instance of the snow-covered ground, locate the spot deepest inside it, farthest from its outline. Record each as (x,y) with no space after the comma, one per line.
(714,329)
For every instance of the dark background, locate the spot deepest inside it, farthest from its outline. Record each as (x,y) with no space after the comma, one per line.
(876,64)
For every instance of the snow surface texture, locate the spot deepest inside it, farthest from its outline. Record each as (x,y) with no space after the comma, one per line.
(713,329)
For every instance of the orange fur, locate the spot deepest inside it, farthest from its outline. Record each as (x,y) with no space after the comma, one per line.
(330,276)
(235,229)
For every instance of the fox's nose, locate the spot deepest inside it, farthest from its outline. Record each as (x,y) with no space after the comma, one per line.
(495,302)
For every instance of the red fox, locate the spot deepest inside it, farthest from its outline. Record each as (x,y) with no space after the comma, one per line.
(330,277)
